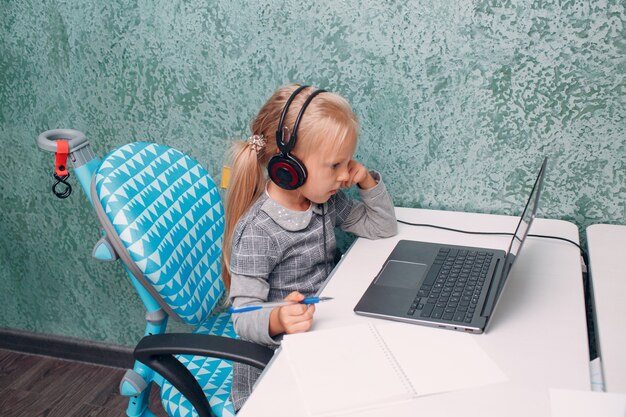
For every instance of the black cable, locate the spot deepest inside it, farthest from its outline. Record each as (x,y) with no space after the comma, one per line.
(582,251)
(324,233)
(455,230)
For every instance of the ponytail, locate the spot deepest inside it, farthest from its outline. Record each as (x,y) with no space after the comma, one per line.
(247,182)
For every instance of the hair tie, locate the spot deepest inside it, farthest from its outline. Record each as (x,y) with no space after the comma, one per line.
(257,142)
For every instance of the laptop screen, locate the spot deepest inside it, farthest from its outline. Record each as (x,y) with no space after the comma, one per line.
(530,210)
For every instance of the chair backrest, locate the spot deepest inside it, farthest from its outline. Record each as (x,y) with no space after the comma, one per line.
(165,219)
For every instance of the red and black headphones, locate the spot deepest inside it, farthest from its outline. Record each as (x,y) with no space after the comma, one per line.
(284,169)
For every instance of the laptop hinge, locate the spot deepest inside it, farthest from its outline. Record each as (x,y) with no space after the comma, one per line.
(492,292)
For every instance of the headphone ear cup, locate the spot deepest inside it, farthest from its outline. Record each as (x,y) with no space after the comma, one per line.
(286,171)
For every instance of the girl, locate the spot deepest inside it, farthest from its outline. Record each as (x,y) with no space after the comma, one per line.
(280,240)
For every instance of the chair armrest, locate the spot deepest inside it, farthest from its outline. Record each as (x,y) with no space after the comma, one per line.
(157,352)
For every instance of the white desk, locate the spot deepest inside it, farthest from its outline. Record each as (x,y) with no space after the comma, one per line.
(538,336)
(607,259)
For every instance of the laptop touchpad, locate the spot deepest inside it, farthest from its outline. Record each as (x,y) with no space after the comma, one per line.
(402,274)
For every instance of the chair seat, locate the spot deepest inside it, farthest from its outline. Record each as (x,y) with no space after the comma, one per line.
(214,375)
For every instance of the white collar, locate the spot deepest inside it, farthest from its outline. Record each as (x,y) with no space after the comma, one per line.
(291,220)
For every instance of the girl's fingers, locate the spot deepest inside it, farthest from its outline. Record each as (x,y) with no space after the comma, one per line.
(297,312)
(301,311)
(294,296)
(300,323)
(356,173)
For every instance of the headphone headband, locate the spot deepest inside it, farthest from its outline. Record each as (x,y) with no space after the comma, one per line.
(280,143)
(292,139)
(283,147)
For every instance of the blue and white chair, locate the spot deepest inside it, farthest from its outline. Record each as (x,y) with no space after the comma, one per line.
(163,217)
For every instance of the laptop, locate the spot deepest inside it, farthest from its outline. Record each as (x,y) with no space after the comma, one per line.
(447,286)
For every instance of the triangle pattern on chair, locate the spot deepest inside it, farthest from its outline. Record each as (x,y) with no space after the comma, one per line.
(168,214)
(213,375)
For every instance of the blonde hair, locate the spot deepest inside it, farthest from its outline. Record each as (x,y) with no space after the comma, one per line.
(328,121)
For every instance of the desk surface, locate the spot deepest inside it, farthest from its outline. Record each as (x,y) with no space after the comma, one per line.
(538,337)
(607,258)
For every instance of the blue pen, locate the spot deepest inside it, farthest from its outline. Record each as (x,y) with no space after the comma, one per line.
(308,300)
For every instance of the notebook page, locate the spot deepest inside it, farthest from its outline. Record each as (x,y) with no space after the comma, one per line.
(441,360)
(345,369)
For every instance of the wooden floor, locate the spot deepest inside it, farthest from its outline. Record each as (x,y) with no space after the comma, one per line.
(40,386)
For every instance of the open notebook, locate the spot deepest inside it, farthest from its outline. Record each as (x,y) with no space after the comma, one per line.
(339,371)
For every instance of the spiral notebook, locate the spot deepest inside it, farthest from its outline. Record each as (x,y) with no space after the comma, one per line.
(347,369)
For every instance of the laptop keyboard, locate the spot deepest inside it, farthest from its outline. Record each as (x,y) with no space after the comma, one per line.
(453,285)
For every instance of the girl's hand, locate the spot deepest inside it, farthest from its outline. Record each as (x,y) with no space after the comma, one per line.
(358,174)
(294,318)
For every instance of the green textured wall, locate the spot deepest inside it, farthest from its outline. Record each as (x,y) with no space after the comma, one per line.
(458,103)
